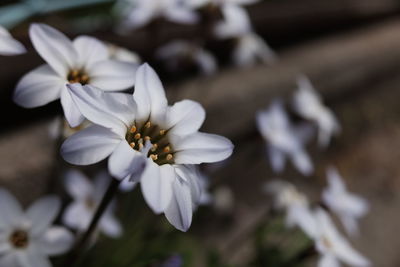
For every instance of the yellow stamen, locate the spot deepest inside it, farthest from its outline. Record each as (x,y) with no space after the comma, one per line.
(162,132)
(167,149)
(132,144)
(154,148)
(147,125)
(133,129)
(154,157)
(137,136)
(169,157)
(147,138)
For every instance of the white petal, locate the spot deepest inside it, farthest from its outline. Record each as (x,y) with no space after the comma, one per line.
(71,111)
(200,148)
(181,15)
(89,145)
(156,184)
(302,162)
(42,213)
(328,261)
(54,47)
(38,87)
(77,184)
(8,45)
(32,258)
(185,117)
(207,62)
(125,161)
(90,50)
(10,209)
(77,216)
(56,241)
(110,110)
(349,255)
(237,22)
(112,75)
(180,211)
(276,157)
(149,94)
(110,226)
(138,17)
(191,175)
(9,260)
(127,185)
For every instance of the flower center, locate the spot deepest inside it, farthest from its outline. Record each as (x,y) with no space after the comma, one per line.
(78,76)
(161,151)
(19,239)
(90,203)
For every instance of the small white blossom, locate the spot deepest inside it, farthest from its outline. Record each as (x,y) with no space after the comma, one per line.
(8,45)
(84,60)
(180,51)
(28,238)
(286,197)
(283,139)
(141,12)
(309,105)
(123,124)
(332,246)
(349,207)
(250,47)
(86,197)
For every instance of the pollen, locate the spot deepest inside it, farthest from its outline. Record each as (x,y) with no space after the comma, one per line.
(133,129)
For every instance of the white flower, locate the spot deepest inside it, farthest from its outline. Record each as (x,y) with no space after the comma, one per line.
(283,139)
(347,206)
(27,239)
(8,45)
(333,247)
(124,123)
(141,12)
(250,47)
(84,60)
(309,105)
(180,51)
(86,197)
(288,198)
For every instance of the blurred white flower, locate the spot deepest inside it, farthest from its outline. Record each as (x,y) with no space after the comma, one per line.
(224,200)
(283,139)
(200,3)
(8,45)
(181,51)
(123,54)
(59,127)
(349,207)
(309,105)
(332,246)
(84,60)
(86,197)
(28,238)
(140,12)
(286,197)
(250,48)
(124,123)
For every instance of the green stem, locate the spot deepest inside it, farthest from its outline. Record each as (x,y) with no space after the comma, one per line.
(82,243)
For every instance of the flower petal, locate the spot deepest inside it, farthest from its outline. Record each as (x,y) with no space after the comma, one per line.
(149,94)
(90,50)
(276,157)
(156,184)
(38,87)
(185,117)
(125,161)
(112,75)
(110,226)
(180,210)
(89,145)
(8,45)
(10,209)
(42,213)
(200,148)
(328,260)
(77,184)
(54,47)
(55,241)
(32,258)
(77,216)
(110,110)
(181,15)
(71,111)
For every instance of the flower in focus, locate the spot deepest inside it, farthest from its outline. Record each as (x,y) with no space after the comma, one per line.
(347,206)
(8,45)
(294,203)
(27,239)
(250,48)
(84,60)
(309,105)
(87,196)
(123,124)
(283,139)
(333,247)
(177,52)
(140,12)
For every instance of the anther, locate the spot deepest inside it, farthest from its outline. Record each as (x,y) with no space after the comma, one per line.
(154,157)
(147,138)
(133,129)
(140,146)
(162,132)
(154,148)
(169,157)
(137,136)
(147,125)
(132,144)
(167,149)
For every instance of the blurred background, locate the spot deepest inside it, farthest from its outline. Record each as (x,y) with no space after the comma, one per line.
(350,50)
